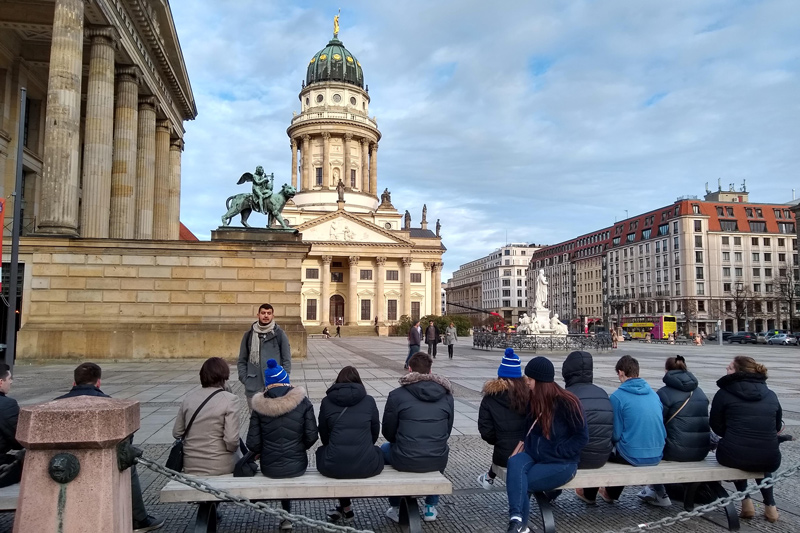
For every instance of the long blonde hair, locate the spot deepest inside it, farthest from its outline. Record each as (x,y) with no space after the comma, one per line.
(742,363)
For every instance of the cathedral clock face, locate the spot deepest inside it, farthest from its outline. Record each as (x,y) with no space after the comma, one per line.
(319,98)
(352,100)
(337,98)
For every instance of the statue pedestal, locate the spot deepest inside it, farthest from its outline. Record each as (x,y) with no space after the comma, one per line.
(262,235)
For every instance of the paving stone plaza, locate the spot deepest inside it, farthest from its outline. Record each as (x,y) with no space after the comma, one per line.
(161,385)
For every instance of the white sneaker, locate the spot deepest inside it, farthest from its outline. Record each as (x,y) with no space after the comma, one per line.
(286,525)
(485,481)
(647,494)
(660,502)
(393,514)
(430,513)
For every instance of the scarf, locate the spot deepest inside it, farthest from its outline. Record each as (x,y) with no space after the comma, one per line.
(255,341)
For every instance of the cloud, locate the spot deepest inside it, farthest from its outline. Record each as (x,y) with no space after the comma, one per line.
(536,120)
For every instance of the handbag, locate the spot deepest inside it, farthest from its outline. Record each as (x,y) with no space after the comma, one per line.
(679,409)
(246,466)
(175,459)
(520,447)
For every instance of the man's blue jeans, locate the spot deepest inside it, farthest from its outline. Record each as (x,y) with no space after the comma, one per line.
(524,476)
(412,349)
(394,501)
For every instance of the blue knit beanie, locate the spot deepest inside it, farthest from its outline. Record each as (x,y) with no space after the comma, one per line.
(275,374)
(510,367)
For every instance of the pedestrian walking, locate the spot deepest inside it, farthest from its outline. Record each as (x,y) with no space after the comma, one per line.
(450,338)
(414,341)
(432,338)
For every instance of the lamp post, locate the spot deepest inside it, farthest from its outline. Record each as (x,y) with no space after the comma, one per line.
(740,291)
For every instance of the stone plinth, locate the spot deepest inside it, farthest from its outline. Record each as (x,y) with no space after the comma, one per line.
(99,497)
(261,235)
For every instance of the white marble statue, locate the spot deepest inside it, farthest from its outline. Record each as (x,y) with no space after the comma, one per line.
(558,327)
(540,291)
(524,324)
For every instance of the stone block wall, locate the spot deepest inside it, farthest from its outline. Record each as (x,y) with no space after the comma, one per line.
(123,299)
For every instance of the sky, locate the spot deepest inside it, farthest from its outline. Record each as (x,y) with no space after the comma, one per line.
(514,121)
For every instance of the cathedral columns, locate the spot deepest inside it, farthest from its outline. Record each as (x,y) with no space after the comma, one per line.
(347,163)
(379,301)
(98,135)
(161,181)
(406,302)
(123,173)
(325,296)
(352,292)
(145,168)
(326,160)
(306,162)
(364,164)
(427,281)
(174,193)
(59,207)
(436,272)
(294,163)
(373,169)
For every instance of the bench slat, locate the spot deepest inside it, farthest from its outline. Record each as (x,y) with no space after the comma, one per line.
(8,497)
(313,485)
(613,474)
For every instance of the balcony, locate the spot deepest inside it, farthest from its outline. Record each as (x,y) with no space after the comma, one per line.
(334,115)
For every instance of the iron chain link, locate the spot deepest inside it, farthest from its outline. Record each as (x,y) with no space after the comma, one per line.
(259,507)
(713,506)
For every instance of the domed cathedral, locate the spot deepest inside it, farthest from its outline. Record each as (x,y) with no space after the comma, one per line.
(367,266)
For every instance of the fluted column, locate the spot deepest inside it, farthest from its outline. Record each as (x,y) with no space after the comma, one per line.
(406,310)
(426,281)
(437,287)
(373,169)
(380,305)
(325,295)
(59,206)
(364,164)
(294,163)
(122,220)
(161,182)
(352,292)
(145,168)
(306,162)
(326,160)
(174,192)
(348,164)
(98,135)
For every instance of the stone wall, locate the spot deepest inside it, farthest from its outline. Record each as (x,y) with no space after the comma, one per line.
(122,299)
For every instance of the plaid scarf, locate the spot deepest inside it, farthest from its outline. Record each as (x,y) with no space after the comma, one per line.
(255,341)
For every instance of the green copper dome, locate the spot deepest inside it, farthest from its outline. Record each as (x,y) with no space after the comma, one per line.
(335,63)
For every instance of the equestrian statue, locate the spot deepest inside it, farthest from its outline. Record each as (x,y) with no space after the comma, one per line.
(261,200)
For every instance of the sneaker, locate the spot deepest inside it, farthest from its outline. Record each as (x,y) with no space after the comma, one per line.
(515,526)
(485,481)
(581,496)
(393,514)
(661,501)
(647,494)
(150,524)
(604,494)
(430,513)
(338,514)
(286,525)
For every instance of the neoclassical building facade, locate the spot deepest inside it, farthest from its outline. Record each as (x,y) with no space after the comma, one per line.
(367,265)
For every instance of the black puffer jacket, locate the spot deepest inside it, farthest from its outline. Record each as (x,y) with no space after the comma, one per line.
(688,433)
(498,424)
(578,375)
(348,437)
(747,415)
(9,412)
(282,428)
(417,420)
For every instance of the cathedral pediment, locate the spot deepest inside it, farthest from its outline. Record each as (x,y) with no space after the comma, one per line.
(343,227)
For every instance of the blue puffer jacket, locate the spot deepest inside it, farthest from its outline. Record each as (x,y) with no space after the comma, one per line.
(639,432)
(568,436)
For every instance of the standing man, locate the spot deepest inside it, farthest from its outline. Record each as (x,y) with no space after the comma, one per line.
(432,338)
(338,330)
(264,340)
(87,383)
(414,341)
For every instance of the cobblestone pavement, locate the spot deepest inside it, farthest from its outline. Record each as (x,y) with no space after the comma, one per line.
(161,385)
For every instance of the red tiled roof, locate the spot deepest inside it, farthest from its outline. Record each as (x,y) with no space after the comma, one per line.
(186,234)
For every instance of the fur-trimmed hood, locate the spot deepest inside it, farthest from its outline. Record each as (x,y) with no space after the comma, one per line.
(494,387)
(275,402)
(426,387)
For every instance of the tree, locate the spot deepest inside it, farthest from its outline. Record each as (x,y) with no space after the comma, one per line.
(788,292)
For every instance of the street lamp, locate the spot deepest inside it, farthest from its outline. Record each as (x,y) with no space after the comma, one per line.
(739,290)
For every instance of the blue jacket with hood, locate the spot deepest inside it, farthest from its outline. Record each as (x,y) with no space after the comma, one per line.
(639,433)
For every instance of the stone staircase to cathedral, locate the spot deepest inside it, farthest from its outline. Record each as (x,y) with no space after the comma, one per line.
(346,331)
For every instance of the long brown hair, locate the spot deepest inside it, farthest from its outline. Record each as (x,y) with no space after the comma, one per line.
(742,363)
(544,398)
(675,363)
(519,395)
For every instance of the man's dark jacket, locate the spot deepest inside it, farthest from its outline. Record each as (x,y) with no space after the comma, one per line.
(747,415)
(688,432)
(437,338)
(282,428)
(84,390)
(417,421)
(498,423)
(348,436)
(9,412)
(578,375)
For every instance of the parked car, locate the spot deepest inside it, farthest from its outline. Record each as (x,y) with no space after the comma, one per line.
(761,337)
(725,336)
(626,336)
(782,338)
(743,337)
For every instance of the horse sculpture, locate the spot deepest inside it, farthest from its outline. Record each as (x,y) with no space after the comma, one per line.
(243,204)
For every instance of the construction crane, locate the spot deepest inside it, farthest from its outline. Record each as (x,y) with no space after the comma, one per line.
(499,323)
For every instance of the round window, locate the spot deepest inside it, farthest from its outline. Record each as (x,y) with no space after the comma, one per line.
(319,98)
(388,225)
(352,100)
(337,98)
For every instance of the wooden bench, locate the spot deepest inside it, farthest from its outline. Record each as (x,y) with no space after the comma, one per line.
(313,485)
(690,474)
(316,336)
(8,498)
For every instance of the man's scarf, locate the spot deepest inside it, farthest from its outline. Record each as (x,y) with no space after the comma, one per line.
(255,341)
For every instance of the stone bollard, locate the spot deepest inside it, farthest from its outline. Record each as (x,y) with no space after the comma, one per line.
(74,441)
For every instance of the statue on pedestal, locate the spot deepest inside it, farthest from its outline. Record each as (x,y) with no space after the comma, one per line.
(540,291)
(340,191)
(261,200)
(407,220)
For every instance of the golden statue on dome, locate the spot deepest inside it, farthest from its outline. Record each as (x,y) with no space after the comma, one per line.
(336,25)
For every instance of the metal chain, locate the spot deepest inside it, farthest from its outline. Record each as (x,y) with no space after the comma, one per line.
(716,504)
(259,507)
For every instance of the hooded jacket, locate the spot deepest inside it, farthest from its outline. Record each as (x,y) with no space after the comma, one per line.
(348,437)
(417,421)
(747,415)
(568,436)
(688,433)
(639,432)
(282,428)
(578,375)
(498,423)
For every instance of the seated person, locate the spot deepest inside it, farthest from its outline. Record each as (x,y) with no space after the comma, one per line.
(11,473)
(417,422)
(282,428)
